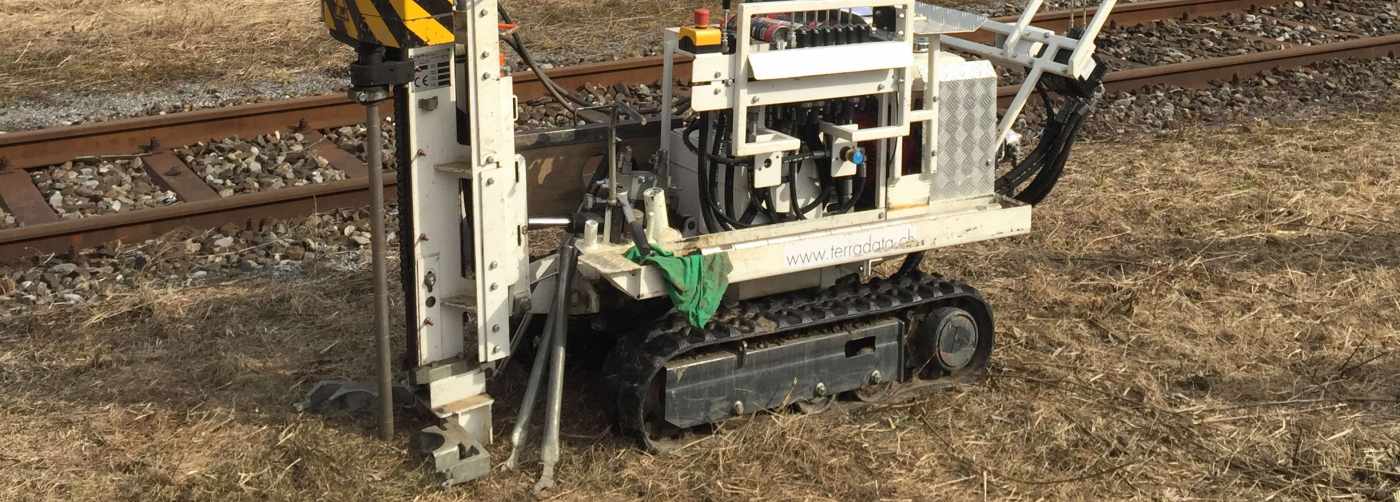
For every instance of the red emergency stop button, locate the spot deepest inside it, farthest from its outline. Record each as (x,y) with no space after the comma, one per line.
(702,17)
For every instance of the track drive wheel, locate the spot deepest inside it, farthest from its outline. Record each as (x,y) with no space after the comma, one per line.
(949,342)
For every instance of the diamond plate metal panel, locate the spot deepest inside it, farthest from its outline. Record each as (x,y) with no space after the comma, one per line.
(967,127)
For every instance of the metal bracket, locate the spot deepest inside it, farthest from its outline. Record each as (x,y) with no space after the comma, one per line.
(456,455)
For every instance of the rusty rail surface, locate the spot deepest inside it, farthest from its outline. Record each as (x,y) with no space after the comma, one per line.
(553,155)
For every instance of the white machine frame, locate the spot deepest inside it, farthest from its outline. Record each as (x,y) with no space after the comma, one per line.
(461,321)
(754,78)
(452,298)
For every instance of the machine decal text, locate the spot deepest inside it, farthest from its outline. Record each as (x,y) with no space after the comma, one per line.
(853,246)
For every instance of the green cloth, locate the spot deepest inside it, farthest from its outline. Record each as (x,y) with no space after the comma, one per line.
(695,283)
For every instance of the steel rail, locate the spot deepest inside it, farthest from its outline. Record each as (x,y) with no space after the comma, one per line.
(28,149)
(1202,73)
(552,156)
(566,153)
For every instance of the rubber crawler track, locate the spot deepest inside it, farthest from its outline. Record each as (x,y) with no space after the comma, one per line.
(640,357)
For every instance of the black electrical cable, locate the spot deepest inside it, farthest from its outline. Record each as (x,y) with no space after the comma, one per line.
(558,93)
(729,171)
(1026,167)
(726,219)
(770,205)
(1046,163)
(685,138)
(1045,180)
(701,166)
(811,139)
(911,263)
(859,191)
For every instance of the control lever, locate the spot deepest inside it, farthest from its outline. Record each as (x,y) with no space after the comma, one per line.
(634,225)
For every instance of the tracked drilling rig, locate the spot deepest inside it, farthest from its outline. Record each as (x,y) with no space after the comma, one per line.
(803,143)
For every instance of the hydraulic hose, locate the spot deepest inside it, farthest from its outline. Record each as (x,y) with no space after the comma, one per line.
(559,94)
(702,161)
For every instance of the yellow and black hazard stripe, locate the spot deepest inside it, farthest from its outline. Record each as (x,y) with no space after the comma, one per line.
(390,23)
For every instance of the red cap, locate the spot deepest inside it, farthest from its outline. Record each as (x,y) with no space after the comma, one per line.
(702,17)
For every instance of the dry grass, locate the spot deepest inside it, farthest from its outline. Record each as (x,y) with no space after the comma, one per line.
(136,45)
(1208,315)
(142,45)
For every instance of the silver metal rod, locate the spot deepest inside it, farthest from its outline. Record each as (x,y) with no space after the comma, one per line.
(612,150)
(549,451)
(548,221)
(381,295)
(521,431)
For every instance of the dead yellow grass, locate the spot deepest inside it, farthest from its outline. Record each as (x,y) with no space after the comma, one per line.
(134,45)
(1208,315)
(143,45)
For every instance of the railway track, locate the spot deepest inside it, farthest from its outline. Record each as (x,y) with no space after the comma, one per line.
(551,153)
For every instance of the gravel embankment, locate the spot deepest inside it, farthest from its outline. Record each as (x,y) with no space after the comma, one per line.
(352,139)
(67,108)
(546,113)
(267,162)
(338,240)
(1173,41)
(1289,34)
(94,186)
(1294,94)
(1363,17)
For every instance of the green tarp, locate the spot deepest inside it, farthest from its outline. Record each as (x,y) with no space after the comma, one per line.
(696,282)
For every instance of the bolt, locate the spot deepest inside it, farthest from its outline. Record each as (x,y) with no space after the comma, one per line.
(495,349)
(493,286)
(754,99)
(717,91)
(821,389)
(880,87)
(483,12)
(875,377)
(495,328)
(738,407)
(486,76)
(490,159)
(485,54)
(490,181)
(717,74)
(427,321)
(491,266)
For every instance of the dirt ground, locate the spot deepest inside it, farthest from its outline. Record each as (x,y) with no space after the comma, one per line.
(1206,315)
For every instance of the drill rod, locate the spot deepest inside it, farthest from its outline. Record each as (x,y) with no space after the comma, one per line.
(520,432)
(549,451)
(381,295)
